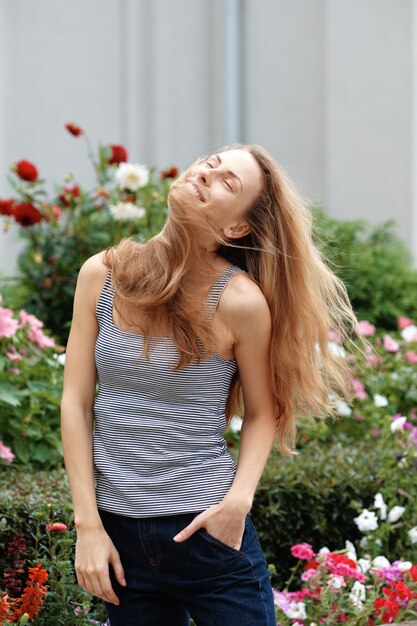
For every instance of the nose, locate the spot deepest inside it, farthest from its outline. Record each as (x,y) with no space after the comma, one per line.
(204,178)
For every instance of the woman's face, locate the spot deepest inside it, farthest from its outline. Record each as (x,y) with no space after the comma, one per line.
(222,187)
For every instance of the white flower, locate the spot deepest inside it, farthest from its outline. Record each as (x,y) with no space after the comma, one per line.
(357,594)
(395,513)
(412,533)
(364,542)
(131,176)
(60,358)
(398,423)
(126,212)
(336,582)
(404,566)
(351,551)
(342,408)
(367,520)
(380,504)
(364,564)
(235,423)
(379,400)
(336,350)
(409,333)
(379,562)
(296,610)
(358,590)
(324,550)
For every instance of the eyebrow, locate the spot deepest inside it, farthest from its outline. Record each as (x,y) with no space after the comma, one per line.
(232,174)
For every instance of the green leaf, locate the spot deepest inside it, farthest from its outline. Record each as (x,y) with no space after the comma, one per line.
(9,394)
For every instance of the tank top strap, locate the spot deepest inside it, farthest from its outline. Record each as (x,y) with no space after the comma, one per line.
(105,301)
(216,291)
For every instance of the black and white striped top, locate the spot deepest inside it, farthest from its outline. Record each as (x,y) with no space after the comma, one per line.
(158,440)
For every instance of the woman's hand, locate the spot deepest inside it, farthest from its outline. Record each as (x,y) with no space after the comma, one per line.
(224,521)
(94,553)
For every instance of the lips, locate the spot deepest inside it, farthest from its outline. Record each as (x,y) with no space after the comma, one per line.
(195,190)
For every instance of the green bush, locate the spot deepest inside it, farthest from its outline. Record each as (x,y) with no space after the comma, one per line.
(375,265)
(315,497)
(30,504)
(30,390)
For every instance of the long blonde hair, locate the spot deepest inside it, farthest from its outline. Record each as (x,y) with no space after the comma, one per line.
(305,298)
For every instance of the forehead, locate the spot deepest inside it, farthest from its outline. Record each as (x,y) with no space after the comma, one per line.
(242,163)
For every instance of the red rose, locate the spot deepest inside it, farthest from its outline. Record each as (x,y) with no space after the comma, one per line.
(170,172)
(118,154)
(7,206)
(26,214)
(26,171)
(74,129)
(68,194)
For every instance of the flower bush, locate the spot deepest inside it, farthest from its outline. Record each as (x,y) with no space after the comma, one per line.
(30,389)
(63,229)
(339,588)
(384,381)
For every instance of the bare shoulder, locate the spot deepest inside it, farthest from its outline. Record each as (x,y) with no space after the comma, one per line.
(92,276)
(243,302)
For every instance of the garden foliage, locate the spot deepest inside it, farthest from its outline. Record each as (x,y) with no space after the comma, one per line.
(61,231)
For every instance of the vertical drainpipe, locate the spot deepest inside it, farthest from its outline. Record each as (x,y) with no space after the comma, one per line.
(233,71)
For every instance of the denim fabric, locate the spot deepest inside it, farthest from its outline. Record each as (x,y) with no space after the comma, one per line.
(201,576)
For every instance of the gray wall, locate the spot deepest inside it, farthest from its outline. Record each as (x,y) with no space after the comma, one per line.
(328,86)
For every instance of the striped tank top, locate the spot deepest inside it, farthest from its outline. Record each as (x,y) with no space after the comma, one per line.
(158,440)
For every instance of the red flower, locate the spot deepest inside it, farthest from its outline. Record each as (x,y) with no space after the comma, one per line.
(26,214)
(74,129)
(118,154)
(413,572)
(169,172)
(26,171)
(68,194)
(7,206)
(391,609)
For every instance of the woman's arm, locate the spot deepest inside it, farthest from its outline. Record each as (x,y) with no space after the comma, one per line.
(245,312)
(94,550)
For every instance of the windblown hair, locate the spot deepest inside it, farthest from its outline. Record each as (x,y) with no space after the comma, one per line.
(305,298)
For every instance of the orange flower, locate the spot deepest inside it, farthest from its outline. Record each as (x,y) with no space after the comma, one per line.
(33,597)
(4,609)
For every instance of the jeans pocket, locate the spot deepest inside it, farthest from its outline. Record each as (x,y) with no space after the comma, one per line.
(213,540)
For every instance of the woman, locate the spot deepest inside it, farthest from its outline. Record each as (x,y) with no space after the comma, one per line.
(230,301)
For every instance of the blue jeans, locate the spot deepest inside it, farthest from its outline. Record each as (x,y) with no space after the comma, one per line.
(201,576)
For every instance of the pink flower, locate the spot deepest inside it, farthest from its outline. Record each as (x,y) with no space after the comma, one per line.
(309,573)
(390,345)
(13,355)
(5,453)
(14,370)
(365,328)
(8,325)
(359,389)
(411,356)
(302,551)
(35,333)
(403,322)
(335,337)
(43,341)
(56,526)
